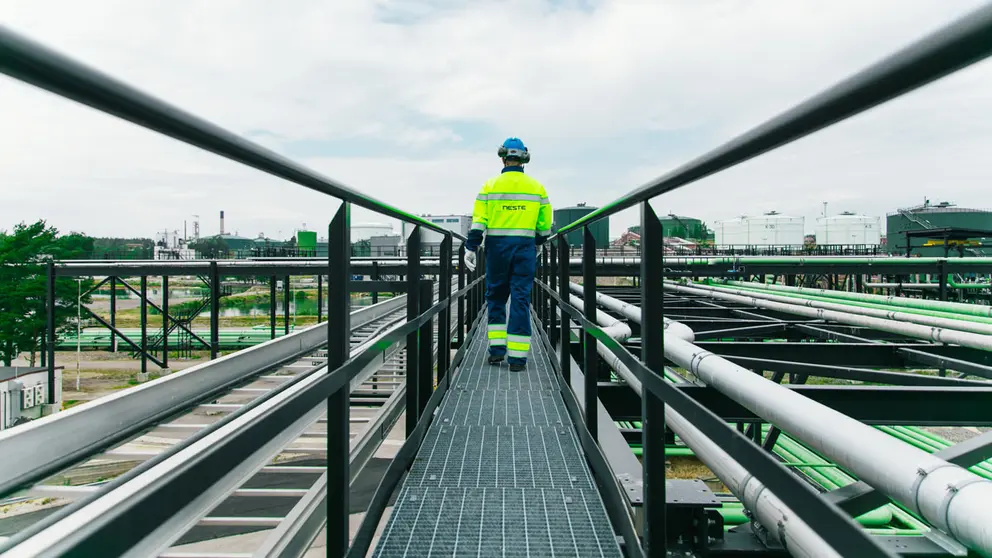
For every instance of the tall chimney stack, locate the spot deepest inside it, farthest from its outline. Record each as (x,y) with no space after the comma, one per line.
(222,221)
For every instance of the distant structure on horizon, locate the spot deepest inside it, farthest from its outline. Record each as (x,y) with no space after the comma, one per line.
(770,229)
(848,228)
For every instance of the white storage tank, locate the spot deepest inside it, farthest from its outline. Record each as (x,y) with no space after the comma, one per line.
(848,228)
(770,229)
(365,231)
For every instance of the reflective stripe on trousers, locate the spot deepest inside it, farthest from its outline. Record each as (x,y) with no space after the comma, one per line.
(497,335)
(517,346)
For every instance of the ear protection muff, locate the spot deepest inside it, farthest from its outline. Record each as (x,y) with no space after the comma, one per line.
(504,153)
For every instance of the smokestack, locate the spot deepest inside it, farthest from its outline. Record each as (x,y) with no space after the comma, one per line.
(222,221)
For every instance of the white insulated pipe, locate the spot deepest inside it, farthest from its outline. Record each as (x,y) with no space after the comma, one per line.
(799,308)
(949,497)
(922,319)
(782,523)
(633,313)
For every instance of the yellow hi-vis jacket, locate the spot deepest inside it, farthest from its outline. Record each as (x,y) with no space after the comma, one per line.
(513,204)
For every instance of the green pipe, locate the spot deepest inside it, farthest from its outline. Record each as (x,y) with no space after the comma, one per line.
(873,260)
(733,516)
(922,304)
(932,444)
(833,478)
(756,287)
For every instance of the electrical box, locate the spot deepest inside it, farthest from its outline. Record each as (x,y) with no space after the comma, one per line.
(27,398)
(39,394)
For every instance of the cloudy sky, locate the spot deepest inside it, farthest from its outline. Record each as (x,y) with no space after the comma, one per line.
(407,101)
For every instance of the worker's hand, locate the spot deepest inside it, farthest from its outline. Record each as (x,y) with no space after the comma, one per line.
(470,257)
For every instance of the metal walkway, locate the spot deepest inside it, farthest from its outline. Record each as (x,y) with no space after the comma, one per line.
(500,472)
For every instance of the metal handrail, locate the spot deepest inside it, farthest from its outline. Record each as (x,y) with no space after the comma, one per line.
(31,62)
(943,52)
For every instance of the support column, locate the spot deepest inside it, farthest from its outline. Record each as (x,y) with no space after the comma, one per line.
(375,277)
(113,313)
(412,338)
(338,408)
(272,307)
(50,329)
(165,321)
(652,407)
(286,292)
(214,310)
(144,324)
(320,297)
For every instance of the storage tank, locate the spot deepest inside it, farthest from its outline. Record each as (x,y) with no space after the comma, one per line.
(689,228)
(365,231)
(848,228)
(770,229)
(600,229)
(934,216)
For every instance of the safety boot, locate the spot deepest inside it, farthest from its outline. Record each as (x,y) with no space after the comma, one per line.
(495,360)
(515,367)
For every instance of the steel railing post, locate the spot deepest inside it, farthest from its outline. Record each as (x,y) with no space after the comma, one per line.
(566,323)
(545,299)
(653,356)
(426,368)
(553,284)
(590,362)
(461,299)
(412,338)
(338,407)
(444,318)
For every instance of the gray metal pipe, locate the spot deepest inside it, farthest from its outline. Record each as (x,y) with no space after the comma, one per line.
(633,313)
(949,497)
(782,523)
(798,538)
(938,334)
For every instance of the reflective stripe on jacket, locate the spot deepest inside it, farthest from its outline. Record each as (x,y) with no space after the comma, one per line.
(513,204)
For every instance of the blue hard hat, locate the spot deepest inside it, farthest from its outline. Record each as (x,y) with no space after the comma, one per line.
(514,148)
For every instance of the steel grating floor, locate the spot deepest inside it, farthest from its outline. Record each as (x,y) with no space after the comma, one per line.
(500,473)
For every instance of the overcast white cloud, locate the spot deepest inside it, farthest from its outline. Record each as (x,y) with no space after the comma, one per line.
(407,100)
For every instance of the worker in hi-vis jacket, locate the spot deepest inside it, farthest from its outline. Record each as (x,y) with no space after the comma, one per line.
(514,213)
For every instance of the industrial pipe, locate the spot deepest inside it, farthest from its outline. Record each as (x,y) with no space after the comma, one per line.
(941,306)
(915,316)
(938,334)
(633,313)
(782,523)
(949,497)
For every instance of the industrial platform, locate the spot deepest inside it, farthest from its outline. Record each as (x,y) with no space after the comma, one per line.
(500,473)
